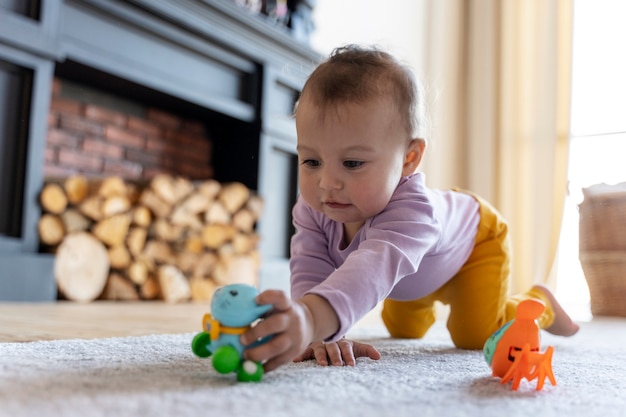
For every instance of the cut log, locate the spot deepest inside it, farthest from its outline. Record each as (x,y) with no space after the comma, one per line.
(156,204)
(210,188)
(119,258)
(255,205)
(233,196)
(119,288)
(187,261)
(194,244)
(51,229)
(157,251)
(202,289)
(74,221)
(205,265)
(244,220)
(76,189)
(133,192)
(237,269)
(150,289)
(216,235)
(196,203)
(115,205)
(217,214)
(182,188)
(167,231)
(138,272)
(226,251)
(113,230)
(81,267)
(244,243)
(92,207)
(174,285)
(163,186)
(142,216)
(136,240)
(112,186)
(186,218)
(53,198)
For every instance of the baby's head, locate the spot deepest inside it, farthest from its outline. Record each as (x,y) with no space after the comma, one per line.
(358,134)
(353,74)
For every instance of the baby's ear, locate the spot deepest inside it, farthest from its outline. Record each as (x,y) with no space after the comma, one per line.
(413,156)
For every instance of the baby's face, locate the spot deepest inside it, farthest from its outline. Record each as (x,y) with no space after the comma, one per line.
(350,158)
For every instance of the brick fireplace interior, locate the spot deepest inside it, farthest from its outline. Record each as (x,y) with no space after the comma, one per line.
(134,88)
(98,134)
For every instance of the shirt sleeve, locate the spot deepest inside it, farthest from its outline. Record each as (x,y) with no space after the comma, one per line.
(390,246)
(310,262)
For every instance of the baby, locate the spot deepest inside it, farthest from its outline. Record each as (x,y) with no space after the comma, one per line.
(368,229)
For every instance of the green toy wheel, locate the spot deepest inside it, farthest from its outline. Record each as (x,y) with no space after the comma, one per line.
(226,359)
(250,371)
(200,345)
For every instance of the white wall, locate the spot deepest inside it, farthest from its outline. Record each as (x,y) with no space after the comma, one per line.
(399,27)
(393,25)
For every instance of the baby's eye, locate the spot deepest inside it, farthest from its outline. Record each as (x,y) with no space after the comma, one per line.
(311,163)
(352,164)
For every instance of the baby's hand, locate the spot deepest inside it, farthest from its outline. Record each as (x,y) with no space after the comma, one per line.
(342,352)
(290,325)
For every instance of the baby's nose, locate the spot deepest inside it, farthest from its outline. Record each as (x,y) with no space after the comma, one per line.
(330,180)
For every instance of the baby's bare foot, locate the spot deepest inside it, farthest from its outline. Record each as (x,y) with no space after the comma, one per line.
(563,324)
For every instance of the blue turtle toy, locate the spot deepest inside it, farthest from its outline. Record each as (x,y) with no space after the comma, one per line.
(233,310)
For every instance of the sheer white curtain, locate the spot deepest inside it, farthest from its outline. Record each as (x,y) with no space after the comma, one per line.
(499,76)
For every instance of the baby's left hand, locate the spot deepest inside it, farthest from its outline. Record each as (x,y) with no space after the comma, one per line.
(342,352)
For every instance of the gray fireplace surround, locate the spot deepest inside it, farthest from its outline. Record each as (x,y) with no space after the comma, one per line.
(207,58)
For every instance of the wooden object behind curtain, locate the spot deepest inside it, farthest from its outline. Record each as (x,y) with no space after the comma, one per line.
(499,74)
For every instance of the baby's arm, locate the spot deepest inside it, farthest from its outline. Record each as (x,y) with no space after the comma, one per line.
(293,324)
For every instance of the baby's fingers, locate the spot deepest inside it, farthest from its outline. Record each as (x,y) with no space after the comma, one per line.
(364,350)
(275,323)
(332,352)
(277,298)
(346,352)
(304,356)
(275,350)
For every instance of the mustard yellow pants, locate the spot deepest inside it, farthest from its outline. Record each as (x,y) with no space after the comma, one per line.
(477,294)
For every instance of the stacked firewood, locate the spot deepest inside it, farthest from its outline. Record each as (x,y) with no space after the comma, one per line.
(170,239)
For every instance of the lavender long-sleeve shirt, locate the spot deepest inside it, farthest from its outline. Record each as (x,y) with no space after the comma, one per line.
(410,249)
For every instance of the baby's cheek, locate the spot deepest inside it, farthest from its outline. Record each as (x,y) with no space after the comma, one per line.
(308,191)
(372,199)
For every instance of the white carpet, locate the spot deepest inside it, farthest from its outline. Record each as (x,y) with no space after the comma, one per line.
(159,376)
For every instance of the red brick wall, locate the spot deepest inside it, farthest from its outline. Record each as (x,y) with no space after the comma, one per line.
(96,141)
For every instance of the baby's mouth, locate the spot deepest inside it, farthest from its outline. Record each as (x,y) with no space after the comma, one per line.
(335,205)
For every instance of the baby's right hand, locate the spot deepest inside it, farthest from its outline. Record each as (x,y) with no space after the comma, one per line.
(289,323)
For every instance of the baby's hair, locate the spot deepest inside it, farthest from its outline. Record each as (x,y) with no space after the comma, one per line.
(356,74)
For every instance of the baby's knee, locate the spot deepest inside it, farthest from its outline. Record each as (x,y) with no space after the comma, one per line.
(400,327)
(469,339)
(406,332)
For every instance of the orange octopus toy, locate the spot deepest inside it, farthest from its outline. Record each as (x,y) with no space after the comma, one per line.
(513,351)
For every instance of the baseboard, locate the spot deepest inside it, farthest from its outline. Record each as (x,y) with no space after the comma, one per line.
(27,277)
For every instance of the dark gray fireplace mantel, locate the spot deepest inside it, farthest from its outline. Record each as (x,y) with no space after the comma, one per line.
(237,69)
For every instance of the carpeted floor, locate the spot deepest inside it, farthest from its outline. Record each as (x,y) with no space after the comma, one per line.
(159,376)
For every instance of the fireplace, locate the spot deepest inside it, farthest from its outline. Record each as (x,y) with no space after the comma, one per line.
(204,88)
